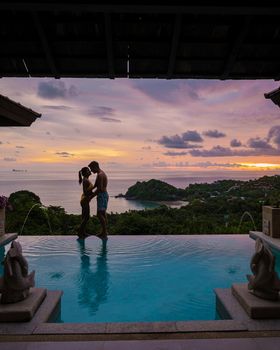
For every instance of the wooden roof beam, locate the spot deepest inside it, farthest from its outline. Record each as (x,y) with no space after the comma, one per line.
(174,45)
(109,45)
(269,9)
(45,45)
(236,46)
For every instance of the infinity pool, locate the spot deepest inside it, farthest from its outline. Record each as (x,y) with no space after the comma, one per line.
(138,278)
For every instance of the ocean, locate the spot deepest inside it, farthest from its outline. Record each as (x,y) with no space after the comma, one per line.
(61,190)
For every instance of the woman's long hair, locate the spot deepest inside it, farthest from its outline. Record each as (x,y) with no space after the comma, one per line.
(83,172)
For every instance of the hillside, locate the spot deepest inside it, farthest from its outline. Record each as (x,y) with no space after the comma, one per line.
(212,209)
(154,190)
(263,190)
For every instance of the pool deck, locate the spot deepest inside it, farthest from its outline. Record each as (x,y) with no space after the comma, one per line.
(272,343)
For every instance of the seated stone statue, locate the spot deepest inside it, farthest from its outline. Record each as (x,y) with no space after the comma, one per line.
(264,283)
(15,284)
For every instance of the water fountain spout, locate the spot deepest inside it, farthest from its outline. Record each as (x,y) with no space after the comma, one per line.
(250,216)
(41,206)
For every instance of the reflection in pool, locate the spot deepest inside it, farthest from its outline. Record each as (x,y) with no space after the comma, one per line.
(92,279)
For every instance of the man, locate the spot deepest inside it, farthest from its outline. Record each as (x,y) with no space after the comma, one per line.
(102,197)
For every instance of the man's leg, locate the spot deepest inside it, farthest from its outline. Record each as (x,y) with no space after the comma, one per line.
(101,214)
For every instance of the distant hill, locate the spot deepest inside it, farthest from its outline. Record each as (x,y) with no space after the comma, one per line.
(154,190)
(266,188)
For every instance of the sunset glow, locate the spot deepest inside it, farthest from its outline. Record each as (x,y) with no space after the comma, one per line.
(261,165)
(143,125)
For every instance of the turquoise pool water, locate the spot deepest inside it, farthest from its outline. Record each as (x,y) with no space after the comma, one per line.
(138,278)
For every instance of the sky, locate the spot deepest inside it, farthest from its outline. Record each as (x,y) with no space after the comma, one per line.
(143,125)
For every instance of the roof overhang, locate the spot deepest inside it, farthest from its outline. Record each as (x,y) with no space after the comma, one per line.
(274,96)
(183,39)
(15,114)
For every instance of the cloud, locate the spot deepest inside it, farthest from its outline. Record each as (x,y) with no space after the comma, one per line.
(101,111)
(255,146)
(20,147)
(176,141)
(175,154)
(192,135)
(56,89)
(166,91)
(60,108)
(147,148)
(181,164)
(259,143)
(109,120)
(197,165)
(65,154)
(219,151)
(160,164)
(235,143)
(214,133)
(274,135)
(222,165)
(104,114)
(1,143)
(7,159)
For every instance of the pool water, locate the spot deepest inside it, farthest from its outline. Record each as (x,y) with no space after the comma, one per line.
(138,278)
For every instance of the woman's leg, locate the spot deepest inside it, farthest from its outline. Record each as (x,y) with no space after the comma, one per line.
(85,218)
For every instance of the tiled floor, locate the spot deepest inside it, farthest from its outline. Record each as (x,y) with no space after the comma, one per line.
(188,344)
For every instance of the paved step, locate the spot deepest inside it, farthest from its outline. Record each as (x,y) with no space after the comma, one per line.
(187,344)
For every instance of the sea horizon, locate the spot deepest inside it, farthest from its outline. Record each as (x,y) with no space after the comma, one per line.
(62,188)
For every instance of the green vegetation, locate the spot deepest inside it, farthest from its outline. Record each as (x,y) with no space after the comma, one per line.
(213,208)
(154,190)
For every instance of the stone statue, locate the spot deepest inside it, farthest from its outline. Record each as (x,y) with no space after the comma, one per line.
(15,283)
(264,283)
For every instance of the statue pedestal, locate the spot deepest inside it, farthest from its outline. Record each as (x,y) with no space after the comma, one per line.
(24,310)
(255,307)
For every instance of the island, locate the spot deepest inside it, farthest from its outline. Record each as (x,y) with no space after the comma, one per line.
(153,190)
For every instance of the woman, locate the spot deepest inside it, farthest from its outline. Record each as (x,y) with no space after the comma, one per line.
(84,174)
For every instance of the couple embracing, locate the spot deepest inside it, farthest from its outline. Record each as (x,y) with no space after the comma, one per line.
(100,193)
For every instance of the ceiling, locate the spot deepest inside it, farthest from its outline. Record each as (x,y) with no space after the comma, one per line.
(94,39)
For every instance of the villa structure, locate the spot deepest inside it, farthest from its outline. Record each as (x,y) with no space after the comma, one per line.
(180,40)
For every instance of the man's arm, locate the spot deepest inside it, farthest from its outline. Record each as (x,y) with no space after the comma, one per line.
(97,185)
